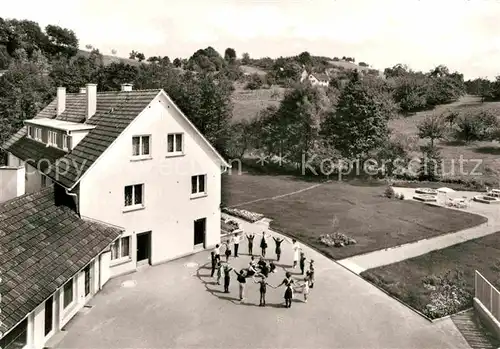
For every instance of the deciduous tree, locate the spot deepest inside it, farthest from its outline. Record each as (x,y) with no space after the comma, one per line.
(359,122)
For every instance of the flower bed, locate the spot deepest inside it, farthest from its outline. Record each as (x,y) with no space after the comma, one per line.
(425,197)
(243,214)
(229,226)
(485,199)
(449,294)
(336,240)
(427,191)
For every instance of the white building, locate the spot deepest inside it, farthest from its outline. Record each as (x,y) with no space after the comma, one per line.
(315,79)
(129,162)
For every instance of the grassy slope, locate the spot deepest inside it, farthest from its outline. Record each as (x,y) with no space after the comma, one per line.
(348,65)
(486,153)
(374,221)
(404,279)
(107,59)
(247,103)
(248,69)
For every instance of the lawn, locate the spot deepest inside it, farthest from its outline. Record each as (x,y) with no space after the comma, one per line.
(408,280)
(238,189)
(375,222)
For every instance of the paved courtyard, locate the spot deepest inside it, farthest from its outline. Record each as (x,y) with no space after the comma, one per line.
(177,305)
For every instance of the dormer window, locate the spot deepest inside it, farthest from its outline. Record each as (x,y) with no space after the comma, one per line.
(30,132)
(38,134)
(52,138)
(65,143)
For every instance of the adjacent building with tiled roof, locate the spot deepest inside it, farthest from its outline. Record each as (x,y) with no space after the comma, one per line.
(125,159)
(45,248)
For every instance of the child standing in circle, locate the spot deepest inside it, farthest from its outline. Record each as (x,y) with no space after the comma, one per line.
(296,250)
(250,243)
(278,242)
(263,244)
(302,263)
(288,282)
(227,277)
(262,289)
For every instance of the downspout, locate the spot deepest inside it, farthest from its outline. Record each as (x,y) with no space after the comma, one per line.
(76,200)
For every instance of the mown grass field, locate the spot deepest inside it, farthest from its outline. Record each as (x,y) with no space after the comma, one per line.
(405,280)
(374,221)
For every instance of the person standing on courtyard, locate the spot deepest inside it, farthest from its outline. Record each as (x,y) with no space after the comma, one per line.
(288,282)
(296,250)
(217,252)
(262,289)
(242,281)
(263,243)
(250,243)
(227,277)
(311,273)
(214,263)
(278,242)
(305,288)
(236,242)
(218,268)
(228,250)
(302,263)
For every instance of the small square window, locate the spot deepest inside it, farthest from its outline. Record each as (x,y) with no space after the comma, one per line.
(134,195)
(198,184)
(175,143)
(120,248)
(141,146)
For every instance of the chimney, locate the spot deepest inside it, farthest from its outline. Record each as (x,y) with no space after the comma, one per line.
(83,90)
(61,100)
(91,100)
(126,87)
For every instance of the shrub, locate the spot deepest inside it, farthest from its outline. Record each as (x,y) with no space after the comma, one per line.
(476,125)
(449,294)
(389,192)
(255,82)
(430,164)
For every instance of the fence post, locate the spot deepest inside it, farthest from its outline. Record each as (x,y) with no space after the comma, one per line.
(475,284)
(491,300)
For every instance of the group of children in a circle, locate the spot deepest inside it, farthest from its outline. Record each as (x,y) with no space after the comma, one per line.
(262,268)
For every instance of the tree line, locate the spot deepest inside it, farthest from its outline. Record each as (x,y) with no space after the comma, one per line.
(347,120)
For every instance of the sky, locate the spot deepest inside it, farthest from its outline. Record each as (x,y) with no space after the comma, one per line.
(462,34)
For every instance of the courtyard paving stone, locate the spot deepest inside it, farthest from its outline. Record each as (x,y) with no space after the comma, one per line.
(177,305)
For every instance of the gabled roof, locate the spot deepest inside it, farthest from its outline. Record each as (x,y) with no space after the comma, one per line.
(42,246)
(114,113)
(320,77)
